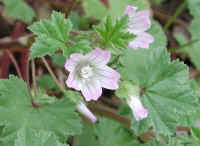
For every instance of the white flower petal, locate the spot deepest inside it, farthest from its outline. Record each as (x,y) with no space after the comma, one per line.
(74,82)
(72,61)
(140,22)
(91,90)
(130,10)
(108,77)
(99,57)
(142,40)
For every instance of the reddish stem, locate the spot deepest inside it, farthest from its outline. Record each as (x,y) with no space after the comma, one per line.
(52,74)
(34,104)
(143,90)
(4,65)
(70,8)
(12,58)
(24,64)
(18,30)
(105,2)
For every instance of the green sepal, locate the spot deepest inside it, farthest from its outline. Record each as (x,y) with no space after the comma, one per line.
(127,89)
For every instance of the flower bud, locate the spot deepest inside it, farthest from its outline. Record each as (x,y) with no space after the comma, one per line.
(126,89)
(131,94)
(139,112)
(82,108)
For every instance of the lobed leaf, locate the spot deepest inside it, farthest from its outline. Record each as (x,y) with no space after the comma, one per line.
(113,33)
(51,35)
(106,133)
(157,32)
(96,9)
(168,95)
(26,125)
(19,10)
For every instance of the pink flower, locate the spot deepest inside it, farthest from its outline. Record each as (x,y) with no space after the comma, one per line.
(82,108)
(89,73)
(139,112)
(142,40)
(139,23)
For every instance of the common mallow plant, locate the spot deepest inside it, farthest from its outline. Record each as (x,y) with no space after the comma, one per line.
(155,93)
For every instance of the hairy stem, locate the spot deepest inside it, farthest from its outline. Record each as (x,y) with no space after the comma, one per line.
(12,58)
(74,140)
(53,75)
(27,78)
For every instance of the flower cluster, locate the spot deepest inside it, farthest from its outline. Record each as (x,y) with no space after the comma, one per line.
(139,23)
(89,73)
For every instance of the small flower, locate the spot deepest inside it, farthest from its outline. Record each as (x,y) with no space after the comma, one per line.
(89,73)
(82,108)
(139,23)
(139,112)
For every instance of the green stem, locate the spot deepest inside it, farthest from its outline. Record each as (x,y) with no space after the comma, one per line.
(177,13)
(179,48)
(34,77)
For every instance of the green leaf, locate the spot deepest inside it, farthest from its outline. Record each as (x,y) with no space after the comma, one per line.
(168,95)
(96,9)
(118,135)
(75,19)
(80,46)
(46,82)
(42,99)
(180,38)
(26,125)
(182,140)
(19,10)
(193,46)
(106,133)
(117,7)
(195,86)
(37,138)
(139,126)
(88,137)
(160,40)
(196,134)
(155,143)
(51,35)
(113,33)
(59,60)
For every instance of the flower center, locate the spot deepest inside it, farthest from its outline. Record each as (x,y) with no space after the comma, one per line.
(86,72)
